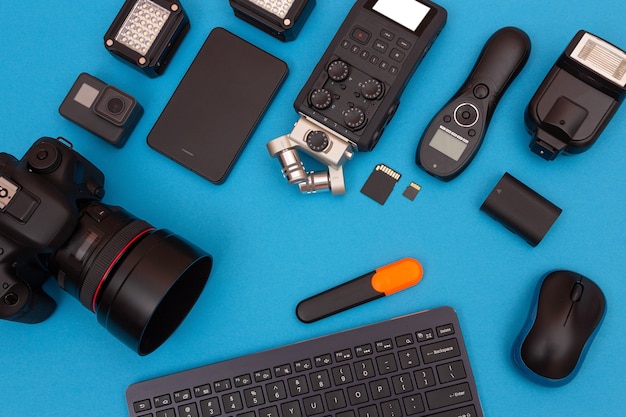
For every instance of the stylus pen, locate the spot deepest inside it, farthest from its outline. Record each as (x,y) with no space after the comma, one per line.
(385,280)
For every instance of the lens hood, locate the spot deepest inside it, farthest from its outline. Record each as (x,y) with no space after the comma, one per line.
(152,290)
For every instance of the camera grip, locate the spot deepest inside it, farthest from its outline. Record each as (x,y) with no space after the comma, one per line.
(20,302)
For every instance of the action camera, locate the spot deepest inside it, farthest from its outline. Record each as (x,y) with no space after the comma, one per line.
(102,109)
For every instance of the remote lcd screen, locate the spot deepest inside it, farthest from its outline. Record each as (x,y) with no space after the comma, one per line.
(408,13)
(448,144)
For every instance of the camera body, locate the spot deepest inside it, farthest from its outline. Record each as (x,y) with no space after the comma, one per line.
(40,196)
(139,281)
(102,109)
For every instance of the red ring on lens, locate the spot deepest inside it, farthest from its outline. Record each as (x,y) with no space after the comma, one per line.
(114,262)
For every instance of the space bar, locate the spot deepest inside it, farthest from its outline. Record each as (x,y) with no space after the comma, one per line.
(467,411)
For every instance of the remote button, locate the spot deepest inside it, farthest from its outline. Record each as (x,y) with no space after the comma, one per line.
(481,91)
(338,70)
(466,115)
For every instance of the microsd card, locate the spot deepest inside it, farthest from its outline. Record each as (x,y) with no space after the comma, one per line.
(380,183)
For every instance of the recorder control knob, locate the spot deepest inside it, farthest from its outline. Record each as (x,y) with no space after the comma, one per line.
(354,117)
(321,99)
(338,70)
(317,140)
(372,89)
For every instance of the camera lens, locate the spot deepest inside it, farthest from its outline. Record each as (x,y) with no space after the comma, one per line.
(115,105)
(141,282)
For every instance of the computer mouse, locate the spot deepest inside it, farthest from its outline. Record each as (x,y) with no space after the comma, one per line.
(565,315)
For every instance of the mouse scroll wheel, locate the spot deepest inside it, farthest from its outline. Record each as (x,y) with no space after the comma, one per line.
(577,292)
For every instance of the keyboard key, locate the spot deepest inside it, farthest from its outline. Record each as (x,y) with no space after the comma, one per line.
(364,369)
(386,364)
(358,394)
(253,397)
(384,345)
(276,391)
(188,410)
(468,411)
(232,402)
(269,412)
(447,330)
(391,409)
(243,380)
(140,406)
(262,375)
(440,351)
(291,409)
(404,340)
(313,405)
(363,350)
(425,378)
(369,411)
(320,380)
(451,372)
(408,358)
(223,385)
(210,407)
(298,386)
(335,400)
(342,374)
(380,389)
(202,390)
(303,365)
(162,400)
(448,396)
(170,412)
(402,384)
(413,404)
(184,395)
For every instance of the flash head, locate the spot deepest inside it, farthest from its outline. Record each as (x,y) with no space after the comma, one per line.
(282,19)
(146,33)
(578,97)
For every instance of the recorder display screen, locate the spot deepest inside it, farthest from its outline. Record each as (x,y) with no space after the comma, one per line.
(408,13)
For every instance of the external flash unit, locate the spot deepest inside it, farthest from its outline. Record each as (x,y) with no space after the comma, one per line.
(578,97)
(146,33)
(282,19)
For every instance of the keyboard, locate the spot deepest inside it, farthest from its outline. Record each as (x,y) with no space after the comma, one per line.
(414,365)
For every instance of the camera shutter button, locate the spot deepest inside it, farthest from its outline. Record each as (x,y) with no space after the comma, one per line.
(44,159)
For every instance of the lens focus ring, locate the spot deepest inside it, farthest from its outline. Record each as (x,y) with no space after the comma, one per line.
(107,256)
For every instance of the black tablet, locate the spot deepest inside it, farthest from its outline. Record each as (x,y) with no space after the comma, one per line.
(217,105)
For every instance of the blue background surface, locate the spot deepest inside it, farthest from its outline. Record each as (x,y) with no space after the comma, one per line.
(273,247)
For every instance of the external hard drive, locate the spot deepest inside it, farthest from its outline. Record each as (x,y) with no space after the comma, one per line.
(217,105)
(520,209)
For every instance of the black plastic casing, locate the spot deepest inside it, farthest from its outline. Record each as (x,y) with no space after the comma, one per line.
(571,108)
(520,209)
(359,57)
(115,128)
(502,58)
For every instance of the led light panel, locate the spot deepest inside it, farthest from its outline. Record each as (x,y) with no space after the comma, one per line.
(142,26)
(276,7)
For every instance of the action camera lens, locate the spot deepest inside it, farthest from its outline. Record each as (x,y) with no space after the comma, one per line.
(140,282)
(115,105)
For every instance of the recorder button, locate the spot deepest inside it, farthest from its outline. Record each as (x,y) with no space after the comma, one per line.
(321,99)
(317,140)
(360,35)
(338,70)
(354,117)
(372,89)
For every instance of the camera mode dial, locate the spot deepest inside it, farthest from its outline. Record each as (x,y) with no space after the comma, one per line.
(372,89)
(321,99)
(354,117)
(338,70)
(317,140)
(44,158)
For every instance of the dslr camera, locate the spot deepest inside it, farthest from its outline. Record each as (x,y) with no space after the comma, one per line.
(102,109)
(139,281)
